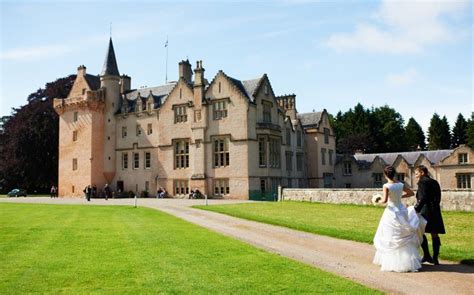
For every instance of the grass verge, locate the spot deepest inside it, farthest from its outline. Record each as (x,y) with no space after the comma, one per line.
(100,249)
(350,222)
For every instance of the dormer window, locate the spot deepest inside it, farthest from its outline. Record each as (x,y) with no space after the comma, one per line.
(462,159)
(267,112)
(149,106)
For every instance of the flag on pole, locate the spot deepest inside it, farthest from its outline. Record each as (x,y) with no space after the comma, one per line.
(166,44)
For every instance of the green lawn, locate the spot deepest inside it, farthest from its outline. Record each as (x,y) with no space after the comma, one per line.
(351,222)
(102,249)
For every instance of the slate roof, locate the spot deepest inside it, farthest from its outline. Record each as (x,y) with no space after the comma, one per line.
(159,94)
(93,81)
(250,87)
(310,119)
(365,160)
(110,64)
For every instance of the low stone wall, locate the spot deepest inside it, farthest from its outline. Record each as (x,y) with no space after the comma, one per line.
(452,199)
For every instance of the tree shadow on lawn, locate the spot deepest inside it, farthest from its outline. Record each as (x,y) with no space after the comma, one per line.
(459,268)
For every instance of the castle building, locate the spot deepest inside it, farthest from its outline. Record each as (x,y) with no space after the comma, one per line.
(229,138)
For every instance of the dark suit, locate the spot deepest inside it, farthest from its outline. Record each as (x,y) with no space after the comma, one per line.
(428,198)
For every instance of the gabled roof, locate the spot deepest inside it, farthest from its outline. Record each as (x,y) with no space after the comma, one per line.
(110,64)
(93,81)
(156,91)
(310,119)
(411,157)
(251,87)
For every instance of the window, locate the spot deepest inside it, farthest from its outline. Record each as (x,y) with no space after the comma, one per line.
(220,109)
(347,168)
(221,152)
(124,160)
(348,185)
(289,161)
(323,156)
(377,179)
(139,130)
(464,180)
(147,160)
(180,114)
(83,91)
(288,136)
(181,154)
(262,155)
(401,177)
(147,186)
(124,131)
(462,158)
(220,87)
(221,187)
(330,156)
(275,154)
(76,115)
(263,185)
(289,183)
(181,187)
(149,129)
(136,160)
(74,164)
(266,89)
(326,135)
(149,106)
(267,112)
(275,182)
(74,135)
(299,162)
(298,138)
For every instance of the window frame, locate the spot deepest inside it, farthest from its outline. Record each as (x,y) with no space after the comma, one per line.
(147,160)
(124,160)
(220,151)
(181,156)
(180,113)
(136,160)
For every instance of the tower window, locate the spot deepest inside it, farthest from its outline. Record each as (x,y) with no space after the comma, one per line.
(74,135)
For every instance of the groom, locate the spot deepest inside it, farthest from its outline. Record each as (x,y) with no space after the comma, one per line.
(428,199)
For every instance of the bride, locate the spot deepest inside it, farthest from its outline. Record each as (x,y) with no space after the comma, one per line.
(399,233)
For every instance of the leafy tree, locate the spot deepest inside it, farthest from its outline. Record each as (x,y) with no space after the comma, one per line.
(414,136)
(388,130)
(459,132)
(29,140)
(439,136)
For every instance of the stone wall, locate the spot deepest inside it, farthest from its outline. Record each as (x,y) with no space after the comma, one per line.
(452,199)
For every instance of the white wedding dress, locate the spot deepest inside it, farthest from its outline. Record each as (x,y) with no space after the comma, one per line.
(399,234)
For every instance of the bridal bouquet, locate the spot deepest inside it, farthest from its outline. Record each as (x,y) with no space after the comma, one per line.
(376,198)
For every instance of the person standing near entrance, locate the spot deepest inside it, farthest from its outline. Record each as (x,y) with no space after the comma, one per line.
(428,204)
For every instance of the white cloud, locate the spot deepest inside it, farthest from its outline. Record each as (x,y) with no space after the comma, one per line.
(402,79)
(32,53)
(402,27)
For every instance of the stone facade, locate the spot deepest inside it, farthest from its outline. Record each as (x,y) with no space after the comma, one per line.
(451,199)
(228,138)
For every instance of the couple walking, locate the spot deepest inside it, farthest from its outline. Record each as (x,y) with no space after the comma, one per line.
(401,230)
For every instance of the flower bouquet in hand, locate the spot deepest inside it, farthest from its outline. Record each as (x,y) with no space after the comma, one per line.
(376,198)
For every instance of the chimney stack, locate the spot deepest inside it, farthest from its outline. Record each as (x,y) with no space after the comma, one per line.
(125,83)
(185,71)
(81,70)
(199,84)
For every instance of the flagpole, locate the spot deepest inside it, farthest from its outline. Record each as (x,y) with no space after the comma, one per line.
(166,75)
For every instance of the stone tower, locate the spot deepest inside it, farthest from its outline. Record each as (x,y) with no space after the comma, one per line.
(110,82)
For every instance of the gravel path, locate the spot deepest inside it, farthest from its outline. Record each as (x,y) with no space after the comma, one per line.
(348,259)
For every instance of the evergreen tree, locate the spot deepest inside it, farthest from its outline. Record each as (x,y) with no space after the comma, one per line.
(470,133)
(414,136)
(439,136)
(387,130)
(459,132)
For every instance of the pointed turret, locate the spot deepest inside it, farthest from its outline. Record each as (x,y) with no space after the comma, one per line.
(110,64)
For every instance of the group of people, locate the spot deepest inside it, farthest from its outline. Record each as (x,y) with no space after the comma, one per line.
(91,192)
(196,194)
(401,231)
(161,193)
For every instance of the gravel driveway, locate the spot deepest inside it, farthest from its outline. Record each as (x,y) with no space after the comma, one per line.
(347,259)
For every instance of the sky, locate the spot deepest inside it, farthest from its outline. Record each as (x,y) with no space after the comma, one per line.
(414,56)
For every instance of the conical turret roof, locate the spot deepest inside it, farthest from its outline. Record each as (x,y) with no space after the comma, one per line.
(110,64)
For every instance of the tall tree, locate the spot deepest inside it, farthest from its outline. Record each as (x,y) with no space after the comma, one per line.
(439,136)
(470,133)
(29,140)
(459,132)
(414,136)
(387,130)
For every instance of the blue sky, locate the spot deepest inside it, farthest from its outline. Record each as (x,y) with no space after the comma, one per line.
(414,56)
